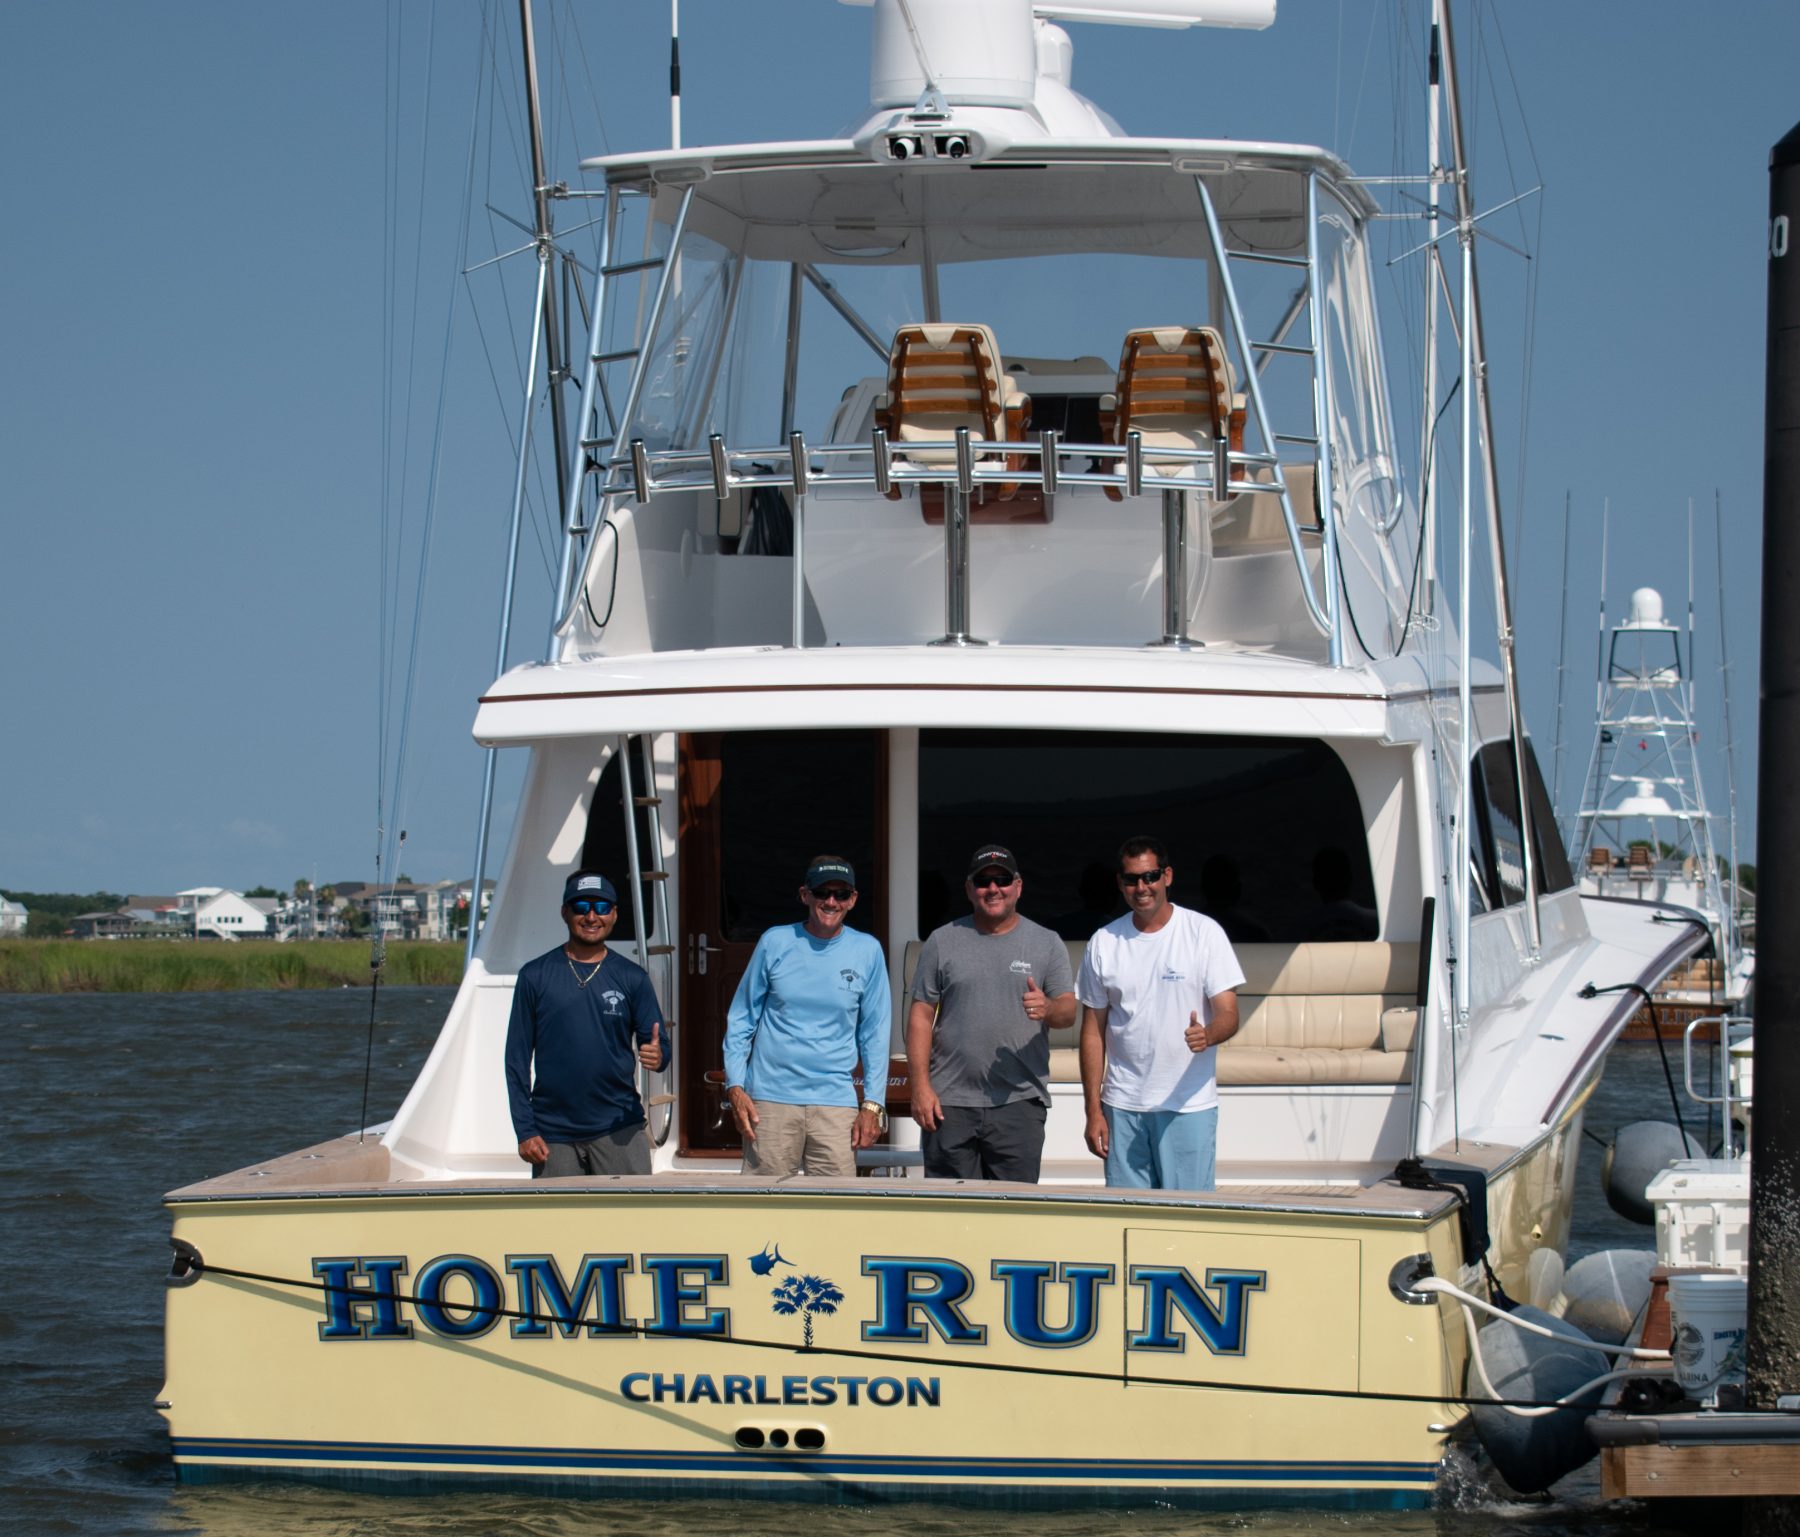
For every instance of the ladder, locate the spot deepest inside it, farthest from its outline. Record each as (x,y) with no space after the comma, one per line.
(650,896)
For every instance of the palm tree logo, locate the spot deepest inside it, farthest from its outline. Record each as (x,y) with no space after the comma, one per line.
(806,1295)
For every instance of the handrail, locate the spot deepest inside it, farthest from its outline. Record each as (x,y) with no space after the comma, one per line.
(715,467)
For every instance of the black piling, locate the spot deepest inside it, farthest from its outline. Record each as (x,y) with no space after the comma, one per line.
(1773,1342)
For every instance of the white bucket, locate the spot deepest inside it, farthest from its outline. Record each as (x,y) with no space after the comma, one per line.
(1706,1321)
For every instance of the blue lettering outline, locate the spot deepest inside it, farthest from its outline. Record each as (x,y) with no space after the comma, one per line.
(602,1275)
(344,1297)
(895,1298)
(483,1308)
(1084,1302)
(675,1294)
(1224,1329)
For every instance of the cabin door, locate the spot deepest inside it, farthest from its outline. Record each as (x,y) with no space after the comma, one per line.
(756,806)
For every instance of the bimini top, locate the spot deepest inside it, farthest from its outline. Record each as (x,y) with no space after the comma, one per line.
(828,201)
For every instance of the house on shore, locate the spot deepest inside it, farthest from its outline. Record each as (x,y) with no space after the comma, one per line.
(13,918)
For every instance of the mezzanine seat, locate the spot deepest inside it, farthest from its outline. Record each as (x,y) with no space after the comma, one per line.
(1324,1012)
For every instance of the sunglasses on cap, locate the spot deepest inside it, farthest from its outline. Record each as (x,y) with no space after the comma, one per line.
(585,905)
(1143,877)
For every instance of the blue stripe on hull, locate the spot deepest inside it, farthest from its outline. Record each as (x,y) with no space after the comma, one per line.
(1016,1481)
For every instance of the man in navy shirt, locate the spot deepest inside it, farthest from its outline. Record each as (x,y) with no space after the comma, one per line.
(586,1017)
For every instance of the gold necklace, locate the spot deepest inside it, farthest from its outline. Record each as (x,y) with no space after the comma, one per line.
(581,981)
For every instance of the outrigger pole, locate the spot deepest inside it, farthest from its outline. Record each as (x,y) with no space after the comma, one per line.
(544,331)
(1475,378)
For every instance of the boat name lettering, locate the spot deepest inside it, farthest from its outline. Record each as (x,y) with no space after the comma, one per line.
(912,1300)
(730,1388)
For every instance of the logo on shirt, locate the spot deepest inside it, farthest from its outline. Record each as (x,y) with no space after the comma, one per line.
(850,978)
(613,999)
(1170,974)
(1023,968)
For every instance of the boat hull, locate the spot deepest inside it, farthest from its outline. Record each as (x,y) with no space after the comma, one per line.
(1009,1346)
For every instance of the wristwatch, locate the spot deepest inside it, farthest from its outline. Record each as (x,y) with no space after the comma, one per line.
(878,1110)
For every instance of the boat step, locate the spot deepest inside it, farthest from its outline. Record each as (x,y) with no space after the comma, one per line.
(660,1099)
(659,949)
(654,875)
(646,800)
(645,265)
(615,357)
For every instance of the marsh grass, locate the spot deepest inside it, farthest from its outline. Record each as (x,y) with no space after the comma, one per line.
(198,966)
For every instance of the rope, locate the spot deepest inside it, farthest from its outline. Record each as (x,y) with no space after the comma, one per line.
(1662,1050)
(190,1266)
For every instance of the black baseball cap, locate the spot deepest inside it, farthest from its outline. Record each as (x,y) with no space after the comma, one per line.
(822,872)
(585,883)
(991,856)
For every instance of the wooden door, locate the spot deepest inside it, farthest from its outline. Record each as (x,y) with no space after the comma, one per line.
(756,806)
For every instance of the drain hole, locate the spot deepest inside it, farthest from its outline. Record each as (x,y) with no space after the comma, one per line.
(810,1440)
(750,1438)
(778,1438)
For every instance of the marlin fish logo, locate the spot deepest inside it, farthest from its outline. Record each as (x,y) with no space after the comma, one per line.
(770,1257)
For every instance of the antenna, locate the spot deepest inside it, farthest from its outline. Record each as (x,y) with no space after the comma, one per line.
(674,74)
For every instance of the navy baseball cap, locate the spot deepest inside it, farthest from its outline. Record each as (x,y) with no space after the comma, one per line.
(991,856)
(822,872)
(585,883)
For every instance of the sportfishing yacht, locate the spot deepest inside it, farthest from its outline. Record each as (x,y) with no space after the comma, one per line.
(1643,831)
(984,473)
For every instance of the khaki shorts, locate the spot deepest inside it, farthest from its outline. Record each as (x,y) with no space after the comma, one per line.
(792,1137)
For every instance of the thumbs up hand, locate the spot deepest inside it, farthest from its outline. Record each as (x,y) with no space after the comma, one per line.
(650,1052)
(1036,1004)
(1196,1033)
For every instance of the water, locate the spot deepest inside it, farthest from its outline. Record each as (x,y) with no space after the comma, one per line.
(115,1099)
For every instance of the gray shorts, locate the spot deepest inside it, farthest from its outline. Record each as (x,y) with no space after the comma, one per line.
(987,1142)
(790,1138)
(625,1151)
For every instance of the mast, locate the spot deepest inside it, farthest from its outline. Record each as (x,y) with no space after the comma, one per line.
(1476,377)
(1562,649)
(546,247)
(1730,926)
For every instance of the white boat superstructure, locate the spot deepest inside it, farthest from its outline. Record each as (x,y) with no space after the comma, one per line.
(985,473)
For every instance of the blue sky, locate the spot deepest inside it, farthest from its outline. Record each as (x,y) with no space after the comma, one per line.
(194,427)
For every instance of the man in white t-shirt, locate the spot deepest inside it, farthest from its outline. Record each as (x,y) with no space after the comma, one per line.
(1158,990)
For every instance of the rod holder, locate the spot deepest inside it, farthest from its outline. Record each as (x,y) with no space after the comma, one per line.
(721,466)
(797,463)
(1134,463)
(1047,461)
(640,472)
(884,463)
(965,465)
(1221,486)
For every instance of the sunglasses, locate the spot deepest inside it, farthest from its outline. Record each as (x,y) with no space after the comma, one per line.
(1143,877)
(833,894)
(983,882)
(582,906)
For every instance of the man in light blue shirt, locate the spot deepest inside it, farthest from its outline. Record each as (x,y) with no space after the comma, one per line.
(812,1002)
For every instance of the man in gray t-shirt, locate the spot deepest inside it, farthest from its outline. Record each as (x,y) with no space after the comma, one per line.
(987,991)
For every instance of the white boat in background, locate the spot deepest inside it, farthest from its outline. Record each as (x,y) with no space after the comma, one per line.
(985,473)
(1643,831)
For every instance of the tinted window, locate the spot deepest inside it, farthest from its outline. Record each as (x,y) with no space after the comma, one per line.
(784,797)
(1497,850)
(1266,834)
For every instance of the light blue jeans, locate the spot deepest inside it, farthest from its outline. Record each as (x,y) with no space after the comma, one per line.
(1161,1149)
